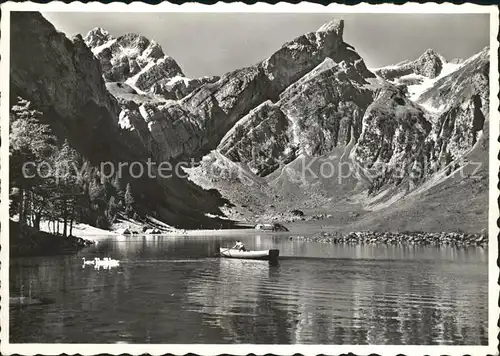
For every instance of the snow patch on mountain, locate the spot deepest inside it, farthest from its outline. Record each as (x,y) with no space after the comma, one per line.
(99,49)
(179,78)
(415,90)
(419,75)
(457,84)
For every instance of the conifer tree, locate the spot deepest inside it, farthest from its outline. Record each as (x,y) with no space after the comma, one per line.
(119,193)
(129,199)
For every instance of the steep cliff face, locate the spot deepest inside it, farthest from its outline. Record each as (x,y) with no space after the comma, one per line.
(326,106)
(456,109)
(62,64)
(219,105)
(459,106)
(320,111)
(393,136)
(262,140)
(65,84)
(175,130)
(65,80)
(458,128)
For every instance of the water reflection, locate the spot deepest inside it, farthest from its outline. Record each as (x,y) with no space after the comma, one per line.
(172,290)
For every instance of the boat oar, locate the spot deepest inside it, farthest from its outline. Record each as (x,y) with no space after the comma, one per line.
(217,254)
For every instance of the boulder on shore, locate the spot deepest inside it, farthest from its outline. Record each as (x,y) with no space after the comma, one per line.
(297,212)
(271,227)
(123,231)
(152,231)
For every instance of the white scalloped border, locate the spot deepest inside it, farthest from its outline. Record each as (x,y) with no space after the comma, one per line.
(209,349)
(281,7)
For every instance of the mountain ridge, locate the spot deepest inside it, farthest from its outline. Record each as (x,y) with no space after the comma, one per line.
(429,64)
(312,101)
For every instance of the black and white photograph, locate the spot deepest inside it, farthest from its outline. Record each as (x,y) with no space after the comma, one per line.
(231,178)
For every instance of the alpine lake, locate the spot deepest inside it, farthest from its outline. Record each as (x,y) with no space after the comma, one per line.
(175,290)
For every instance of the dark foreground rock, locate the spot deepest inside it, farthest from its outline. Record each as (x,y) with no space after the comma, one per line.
(400,238)
(30,242)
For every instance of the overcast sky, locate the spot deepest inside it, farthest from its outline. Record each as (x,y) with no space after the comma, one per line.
(214,43)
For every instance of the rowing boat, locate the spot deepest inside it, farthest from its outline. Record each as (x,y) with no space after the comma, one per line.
(251,255)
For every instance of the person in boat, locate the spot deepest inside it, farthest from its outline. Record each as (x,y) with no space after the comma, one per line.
(239,246)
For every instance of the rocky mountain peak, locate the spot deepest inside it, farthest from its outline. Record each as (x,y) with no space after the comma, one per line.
(142,64)
(137,45)
(430,51)
(335,26)
(429,64)
(132,58)
(297,57)
(97,37)
(434,53)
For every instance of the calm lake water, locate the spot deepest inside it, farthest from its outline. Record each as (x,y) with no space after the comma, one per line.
(172,290)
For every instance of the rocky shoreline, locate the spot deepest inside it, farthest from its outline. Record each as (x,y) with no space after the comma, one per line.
(402,238)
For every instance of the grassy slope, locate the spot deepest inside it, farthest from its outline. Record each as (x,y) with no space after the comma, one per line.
(445,207)
(458,202)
